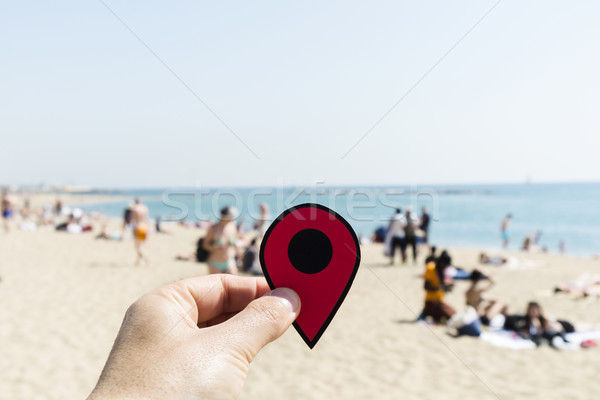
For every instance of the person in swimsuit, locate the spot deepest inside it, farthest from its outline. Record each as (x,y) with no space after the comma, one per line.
(584,286)
(504,230)
(486,309)
(221,243)
(140,221)
(7,209)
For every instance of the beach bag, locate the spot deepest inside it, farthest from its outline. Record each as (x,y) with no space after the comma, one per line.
(201,253)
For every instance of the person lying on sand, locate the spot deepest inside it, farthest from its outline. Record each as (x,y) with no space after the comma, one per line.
(585,285)
(510,262)
(485,258)
(537,327)
(106,235)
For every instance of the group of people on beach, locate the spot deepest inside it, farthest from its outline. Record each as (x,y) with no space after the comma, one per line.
(75,221)
(29,218)
(440,277)
(406,230)
(226,247)
(531,243)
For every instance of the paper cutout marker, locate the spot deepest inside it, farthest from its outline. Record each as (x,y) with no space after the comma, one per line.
(313,250)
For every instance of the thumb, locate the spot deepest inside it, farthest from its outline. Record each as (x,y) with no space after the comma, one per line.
(262,321)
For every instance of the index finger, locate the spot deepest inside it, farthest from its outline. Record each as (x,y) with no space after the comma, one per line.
(207,297)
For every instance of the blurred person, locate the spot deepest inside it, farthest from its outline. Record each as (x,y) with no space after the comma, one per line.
(537,327)
(526,244)
(410,234)
(7,209)
(250,258)
(486,309)
(262,223)
(585,285)
(379,235)
(485,258)
(126,219)
(158,224)
(424,224)
(141,224)
(221,242)
(105,234)
(478,312)
(431,257)
(536,237)
(395,236)
(25,211)
(58,207)
(504,230)
(540,328)
(436,285)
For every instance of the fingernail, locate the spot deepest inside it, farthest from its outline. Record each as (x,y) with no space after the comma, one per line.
(288,297)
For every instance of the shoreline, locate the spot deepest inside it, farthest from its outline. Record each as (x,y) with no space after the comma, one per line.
(40,200)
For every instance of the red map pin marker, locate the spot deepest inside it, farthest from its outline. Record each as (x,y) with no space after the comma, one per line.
(314,251)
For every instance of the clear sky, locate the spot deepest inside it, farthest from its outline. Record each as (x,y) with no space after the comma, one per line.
(83,101)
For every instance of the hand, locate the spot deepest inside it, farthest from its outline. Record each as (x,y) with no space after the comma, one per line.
(195,339)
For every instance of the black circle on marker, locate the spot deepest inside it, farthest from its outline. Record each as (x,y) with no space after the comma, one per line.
(310,251)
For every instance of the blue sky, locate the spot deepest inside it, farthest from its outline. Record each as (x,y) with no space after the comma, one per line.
(83,101)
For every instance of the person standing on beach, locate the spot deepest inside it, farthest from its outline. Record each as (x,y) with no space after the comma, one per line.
(58,207)
(410,237)
(395,236)
(7,209)
(221,242)
(424,224)
(126,220)
(140,221)
(504,230)
(431,257)
(261,225)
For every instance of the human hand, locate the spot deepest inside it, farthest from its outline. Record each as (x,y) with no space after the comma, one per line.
(194,339)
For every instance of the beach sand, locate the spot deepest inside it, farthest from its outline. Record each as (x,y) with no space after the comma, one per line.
(63,298)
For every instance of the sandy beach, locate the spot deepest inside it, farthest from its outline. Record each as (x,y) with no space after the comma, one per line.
(63,298)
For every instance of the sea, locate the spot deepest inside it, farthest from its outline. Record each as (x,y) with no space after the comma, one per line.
(461,215)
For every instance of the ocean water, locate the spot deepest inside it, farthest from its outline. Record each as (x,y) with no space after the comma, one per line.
(461,215)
